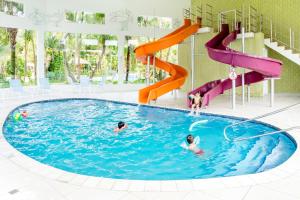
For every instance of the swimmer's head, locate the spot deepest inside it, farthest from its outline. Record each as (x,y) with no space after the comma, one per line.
(190,139)
(121,125)
(198,94)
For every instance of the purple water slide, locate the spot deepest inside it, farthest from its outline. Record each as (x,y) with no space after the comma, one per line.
(217,50)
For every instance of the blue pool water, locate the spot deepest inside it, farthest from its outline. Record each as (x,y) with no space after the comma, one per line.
(76,135)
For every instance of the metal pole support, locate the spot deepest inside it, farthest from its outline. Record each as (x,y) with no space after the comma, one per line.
(243,75)
(193,59)
(248,93)
(154,69)
(148,71)
(291,39)
(233,95)
(271,31)
(233,80)
(272,92)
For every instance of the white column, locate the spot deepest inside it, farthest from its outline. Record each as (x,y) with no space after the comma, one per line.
(248,93)
(243,75)
(148,70)
(233,90)
(233,94)
(193,59)
(154,69)
(272,92)
(40,54)
(291,40)
(121,45)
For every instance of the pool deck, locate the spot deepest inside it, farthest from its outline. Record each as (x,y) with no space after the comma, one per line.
(22,178)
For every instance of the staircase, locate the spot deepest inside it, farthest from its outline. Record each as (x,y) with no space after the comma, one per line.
(288,53)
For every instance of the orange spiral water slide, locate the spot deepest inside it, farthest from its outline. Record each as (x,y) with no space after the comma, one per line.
(177,73)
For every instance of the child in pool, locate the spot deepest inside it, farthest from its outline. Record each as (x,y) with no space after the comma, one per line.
(196,103)
(121,126)
(192,146)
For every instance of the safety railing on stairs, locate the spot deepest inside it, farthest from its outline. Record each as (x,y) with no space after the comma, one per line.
(282,34)
(188,14)
(252,19)
(205,11)
(228,17)
(208,16)
(259,117)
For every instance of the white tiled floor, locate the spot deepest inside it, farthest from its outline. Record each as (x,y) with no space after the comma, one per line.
(30,180)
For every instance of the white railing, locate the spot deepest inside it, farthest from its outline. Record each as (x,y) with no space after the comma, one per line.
(259,117)
(228,17)
(205,11)
(208,15)
(188,14)
(251,20)
(280,33)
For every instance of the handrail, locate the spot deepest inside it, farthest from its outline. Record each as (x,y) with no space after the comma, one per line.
(284,35)
(208,15)
(187,13)
(265,134)
(222,16)
(259,117)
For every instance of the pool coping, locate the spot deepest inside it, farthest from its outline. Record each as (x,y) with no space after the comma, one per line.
(282,171)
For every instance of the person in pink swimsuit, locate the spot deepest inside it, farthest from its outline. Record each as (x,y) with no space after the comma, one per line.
(192,146)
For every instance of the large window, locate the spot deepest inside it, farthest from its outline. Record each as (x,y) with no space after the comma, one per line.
(152,21)
(17,56)
(12,8)
(69,56)
(135,71)
(85,17)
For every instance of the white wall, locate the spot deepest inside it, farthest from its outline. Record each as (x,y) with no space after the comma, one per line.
(23,22)
(167,8)
(56,8)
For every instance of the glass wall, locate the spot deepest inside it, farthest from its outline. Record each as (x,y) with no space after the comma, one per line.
(69,56)
(17,56)
(153,21)
(135,71)
(12,8)
(85,17)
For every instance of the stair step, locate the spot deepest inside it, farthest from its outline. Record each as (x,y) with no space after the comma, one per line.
(273,159)
(256,156)
(288,53)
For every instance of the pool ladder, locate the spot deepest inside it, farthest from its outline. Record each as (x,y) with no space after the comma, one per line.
(259,117)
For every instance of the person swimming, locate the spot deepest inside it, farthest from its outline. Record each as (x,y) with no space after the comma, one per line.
(121,126)
(193,146)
